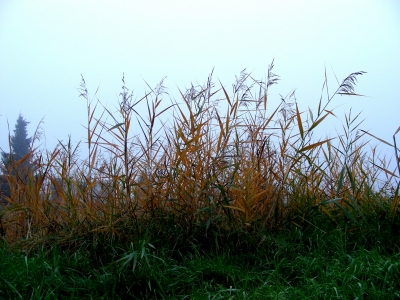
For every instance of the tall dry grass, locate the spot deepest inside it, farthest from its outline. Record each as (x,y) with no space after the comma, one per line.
(232,165)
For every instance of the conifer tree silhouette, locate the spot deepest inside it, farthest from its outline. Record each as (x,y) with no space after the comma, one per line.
(20,148)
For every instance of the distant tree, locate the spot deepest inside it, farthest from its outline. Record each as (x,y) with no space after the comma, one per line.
(20,144)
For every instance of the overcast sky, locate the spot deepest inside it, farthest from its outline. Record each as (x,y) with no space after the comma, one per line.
(46,45)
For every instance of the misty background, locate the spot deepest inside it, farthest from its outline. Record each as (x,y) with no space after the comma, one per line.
(45,46)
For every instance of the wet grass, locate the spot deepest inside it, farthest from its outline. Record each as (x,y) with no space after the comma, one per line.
(323,263)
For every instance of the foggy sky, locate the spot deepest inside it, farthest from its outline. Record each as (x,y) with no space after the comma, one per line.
(45,46)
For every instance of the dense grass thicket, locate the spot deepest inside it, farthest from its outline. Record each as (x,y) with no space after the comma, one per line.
(315,264)
(219,196)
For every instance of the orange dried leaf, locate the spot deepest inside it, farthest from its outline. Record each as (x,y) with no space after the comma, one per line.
(377,138)
(235,208)
(299,122)
(226,94)
(312,146)
(315,124)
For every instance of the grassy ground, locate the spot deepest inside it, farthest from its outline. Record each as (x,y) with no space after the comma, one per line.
(315,263)
(232,200)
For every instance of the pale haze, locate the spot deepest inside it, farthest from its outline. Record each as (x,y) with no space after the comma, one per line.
(45,46)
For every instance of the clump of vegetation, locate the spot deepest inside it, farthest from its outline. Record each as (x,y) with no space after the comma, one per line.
(219,174)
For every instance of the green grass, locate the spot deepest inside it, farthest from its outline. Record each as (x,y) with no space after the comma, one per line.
(316,263)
